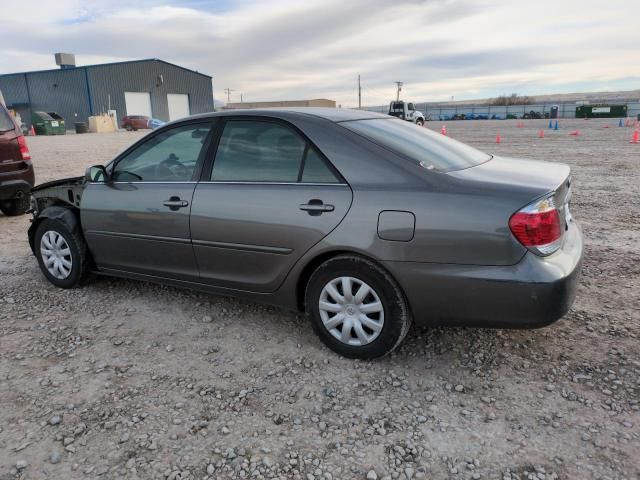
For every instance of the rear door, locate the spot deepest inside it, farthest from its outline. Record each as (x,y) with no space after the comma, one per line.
(139,221)
(268,198)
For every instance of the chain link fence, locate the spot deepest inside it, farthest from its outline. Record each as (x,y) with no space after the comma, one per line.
(447,112)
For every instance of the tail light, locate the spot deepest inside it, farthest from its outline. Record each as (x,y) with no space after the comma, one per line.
(24,149)
(538,226)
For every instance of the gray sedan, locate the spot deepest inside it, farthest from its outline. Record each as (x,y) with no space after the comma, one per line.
(364,221)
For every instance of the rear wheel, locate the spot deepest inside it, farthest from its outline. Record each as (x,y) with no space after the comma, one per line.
(62,254)
(15,207)
(356,308)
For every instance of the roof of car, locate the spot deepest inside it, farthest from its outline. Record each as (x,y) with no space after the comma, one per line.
(332,114)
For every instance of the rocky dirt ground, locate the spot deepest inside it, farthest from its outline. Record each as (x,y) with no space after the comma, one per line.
(121,379)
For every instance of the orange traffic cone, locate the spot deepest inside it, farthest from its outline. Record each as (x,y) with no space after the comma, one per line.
(32,131)
(636,137)
(443,130)
(541,134)
(498,139)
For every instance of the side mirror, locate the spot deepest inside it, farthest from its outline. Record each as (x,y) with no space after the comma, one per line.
(96,173)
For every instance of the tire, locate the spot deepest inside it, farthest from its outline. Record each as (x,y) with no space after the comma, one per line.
(420,122)
(78,253)
(15,207)
(128,128)
(395,313)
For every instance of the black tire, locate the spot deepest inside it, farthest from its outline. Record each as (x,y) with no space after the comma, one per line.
(15,207)
(78,251)
(397,315)
(128,128)
(420,122)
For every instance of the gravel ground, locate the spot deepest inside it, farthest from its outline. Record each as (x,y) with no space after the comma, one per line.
(121,379)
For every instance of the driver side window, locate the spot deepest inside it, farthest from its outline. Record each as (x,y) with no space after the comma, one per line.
(170,156)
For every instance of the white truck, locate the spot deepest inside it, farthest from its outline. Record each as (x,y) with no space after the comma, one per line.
(406,111)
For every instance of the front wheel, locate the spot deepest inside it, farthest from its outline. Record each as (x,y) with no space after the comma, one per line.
(357,309)
(420,122)
(61,253)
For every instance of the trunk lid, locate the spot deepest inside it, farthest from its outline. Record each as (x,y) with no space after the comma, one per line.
(524,180)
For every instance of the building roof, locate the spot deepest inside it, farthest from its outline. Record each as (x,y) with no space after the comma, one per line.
(106,65)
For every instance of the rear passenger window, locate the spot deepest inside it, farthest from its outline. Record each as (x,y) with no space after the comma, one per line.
(254,151)
(258,151)
(316,169)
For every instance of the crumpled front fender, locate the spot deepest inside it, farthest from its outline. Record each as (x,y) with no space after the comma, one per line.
(68,216)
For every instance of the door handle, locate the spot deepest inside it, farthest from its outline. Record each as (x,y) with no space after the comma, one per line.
(174,203)
(316,207)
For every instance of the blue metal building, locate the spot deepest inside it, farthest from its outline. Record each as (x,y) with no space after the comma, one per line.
(150,87)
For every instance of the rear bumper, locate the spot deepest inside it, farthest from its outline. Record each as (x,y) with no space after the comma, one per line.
(532,293)
(16,183)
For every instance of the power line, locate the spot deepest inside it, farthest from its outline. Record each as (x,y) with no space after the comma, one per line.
(378,93)
(228,92)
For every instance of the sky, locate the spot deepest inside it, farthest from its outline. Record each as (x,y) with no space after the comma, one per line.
(287,49)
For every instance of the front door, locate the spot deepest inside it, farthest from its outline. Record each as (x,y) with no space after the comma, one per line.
(139,220)
(268,199)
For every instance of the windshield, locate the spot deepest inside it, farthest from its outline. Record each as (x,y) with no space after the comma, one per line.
(430,150)
(6,123)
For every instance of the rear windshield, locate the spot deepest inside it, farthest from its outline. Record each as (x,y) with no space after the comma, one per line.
(6,123)
(431,150)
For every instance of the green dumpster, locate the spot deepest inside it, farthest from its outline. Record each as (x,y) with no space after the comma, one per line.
(601,111)
(48,123)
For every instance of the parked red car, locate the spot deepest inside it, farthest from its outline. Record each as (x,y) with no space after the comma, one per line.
(16,170)
(135,122)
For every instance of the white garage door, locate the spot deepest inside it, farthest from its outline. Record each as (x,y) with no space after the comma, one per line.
(178,105)
(138,103)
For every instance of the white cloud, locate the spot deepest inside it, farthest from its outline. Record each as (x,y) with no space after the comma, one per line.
(289,49)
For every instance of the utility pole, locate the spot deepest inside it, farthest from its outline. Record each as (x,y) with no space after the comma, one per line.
(359,94)
(228,92)
(240,98)
(399,85)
